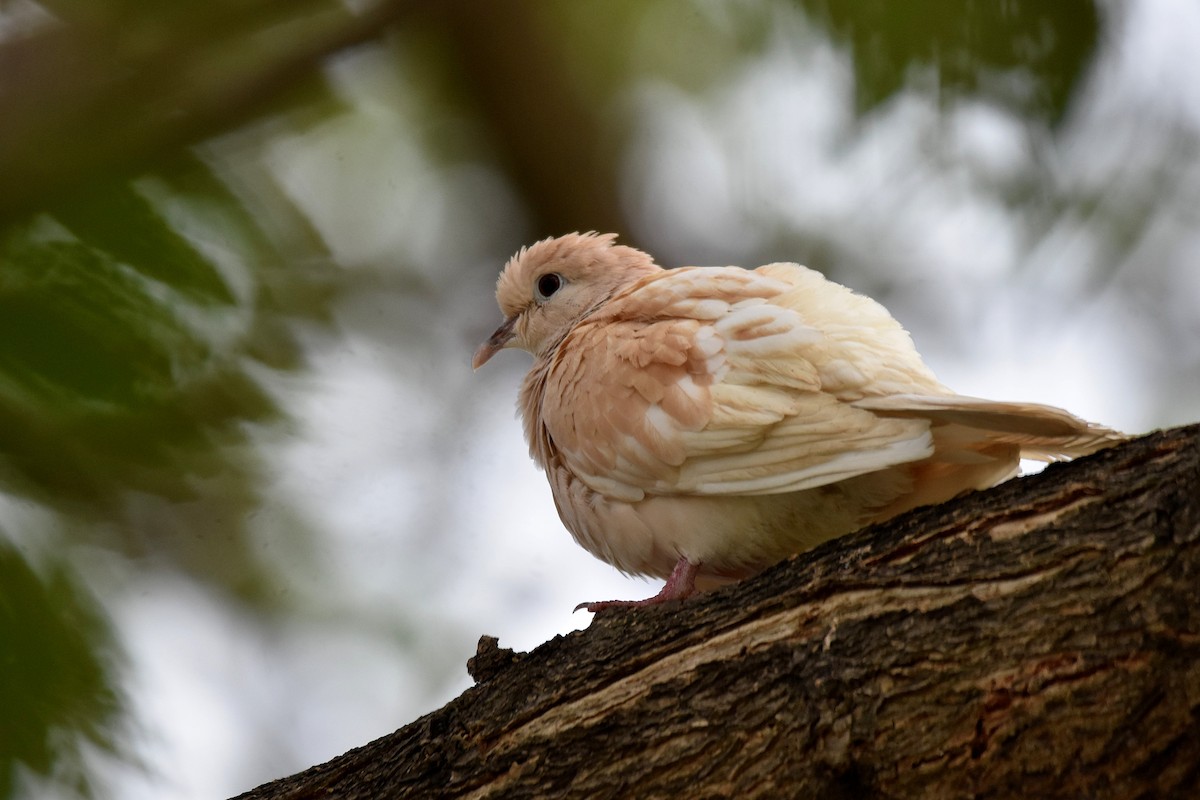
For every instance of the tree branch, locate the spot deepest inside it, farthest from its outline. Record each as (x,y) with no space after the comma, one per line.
(102,94)
(1037,639)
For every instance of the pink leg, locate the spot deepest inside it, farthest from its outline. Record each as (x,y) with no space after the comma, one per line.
(681,584)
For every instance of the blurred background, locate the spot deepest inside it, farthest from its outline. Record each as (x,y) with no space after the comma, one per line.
(255,509)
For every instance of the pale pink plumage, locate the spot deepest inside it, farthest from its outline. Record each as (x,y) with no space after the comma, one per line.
(703,423)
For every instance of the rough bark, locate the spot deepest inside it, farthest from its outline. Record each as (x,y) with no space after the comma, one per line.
(1040,639)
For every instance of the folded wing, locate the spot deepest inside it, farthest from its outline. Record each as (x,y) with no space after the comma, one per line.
(727,381)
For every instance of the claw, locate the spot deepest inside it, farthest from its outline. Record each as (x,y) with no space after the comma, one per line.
(680,584)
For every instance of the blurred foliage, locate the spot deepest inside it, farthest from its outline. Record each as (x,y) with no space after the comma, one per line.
(107,88)
(104,383)
(1029,56)
(140,302)
(56,680)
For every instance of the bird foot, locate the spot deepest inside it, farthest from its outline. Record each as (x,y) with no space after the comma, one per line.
(680,584)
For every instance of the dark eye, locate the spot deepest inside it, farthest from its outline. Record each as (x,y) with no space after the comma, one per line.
(547,285)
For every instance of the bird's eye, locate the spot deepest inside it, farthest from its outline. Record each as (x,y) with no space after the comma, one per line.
(547,285)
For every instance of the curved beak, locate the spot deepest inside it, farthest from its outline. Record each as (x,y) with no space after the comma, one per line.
(495,343)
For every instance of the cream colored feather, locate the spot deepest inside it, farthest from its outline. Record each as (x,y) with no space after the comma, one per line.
(702,423)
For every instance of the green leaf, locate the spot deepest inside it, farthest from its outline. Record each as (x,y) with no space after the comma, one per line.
(115,218)
(56,675)
(1027,54)
(123,360)
(76,329)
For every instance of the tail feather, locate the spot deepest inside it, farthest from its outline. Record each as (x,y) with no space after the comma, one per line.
(1040,432)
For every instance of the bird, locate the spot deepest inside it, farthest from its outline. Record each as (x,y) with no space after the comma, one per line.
(699,424)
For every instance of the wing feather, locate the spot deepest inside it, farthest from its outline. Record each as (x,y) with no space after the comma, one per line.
(727,382)
(1040,431)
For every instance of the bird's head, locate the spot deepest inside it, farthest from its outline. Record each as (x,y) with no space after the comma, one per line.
(548,287)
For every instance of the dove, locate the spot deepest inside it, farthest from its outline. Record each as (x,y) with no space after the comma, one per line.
(699,424)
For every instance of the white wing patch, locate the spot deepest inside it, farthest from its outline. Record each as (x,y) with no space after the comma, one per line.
(709,345)
(841,373)
(796,465)
(660,421)
(765,344)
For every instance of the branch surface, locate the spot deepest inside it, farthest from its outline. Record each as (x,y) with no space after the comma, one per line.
(1037,639)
